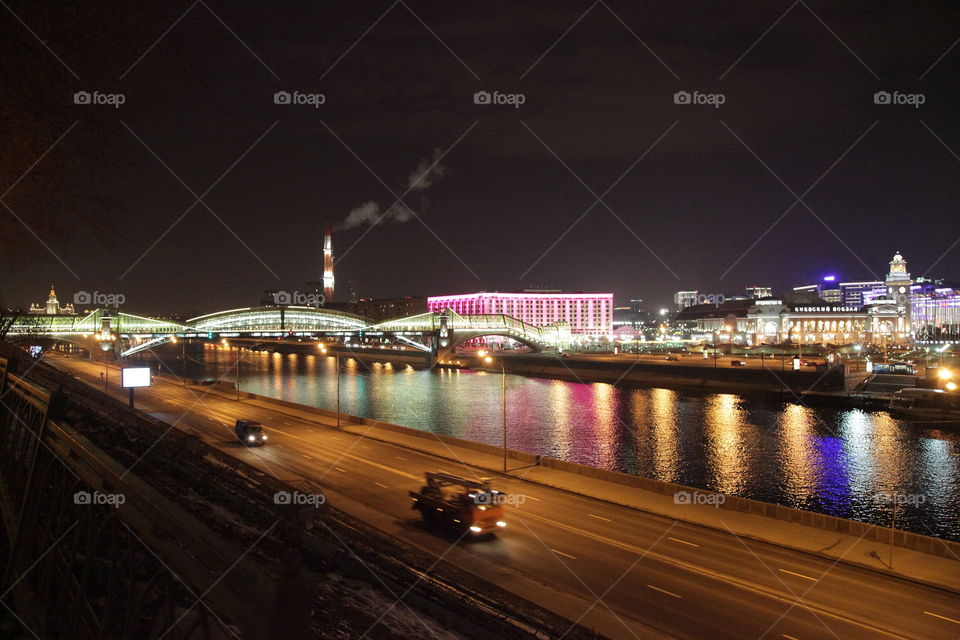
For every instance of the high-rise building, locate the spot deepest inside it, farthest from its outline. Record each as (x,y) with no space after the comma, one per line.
(759,292)
(380,309)
(684,299)
(857,294)
(589,315)
(52,307)
(827,290)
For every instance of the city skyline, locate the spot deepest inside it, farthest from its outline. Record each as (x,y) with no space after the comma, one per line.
(802,168)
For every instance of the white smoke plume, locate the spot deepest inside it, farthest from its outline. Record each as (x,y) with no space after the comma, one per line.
(428,173)
(369,213)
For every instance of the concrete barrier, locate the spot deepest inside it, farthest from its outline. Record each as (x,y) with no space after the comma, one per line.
(674,375)
(906,539)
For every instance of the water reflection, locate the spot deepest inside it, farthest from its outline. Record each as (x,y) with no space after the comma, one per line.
(831,461)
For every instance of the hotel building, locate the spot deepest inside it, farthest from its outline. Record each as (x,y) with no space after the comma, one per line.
(589,315)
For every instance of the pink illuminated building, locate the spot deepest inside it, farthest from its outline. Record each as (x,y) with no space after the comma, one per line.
(588,314)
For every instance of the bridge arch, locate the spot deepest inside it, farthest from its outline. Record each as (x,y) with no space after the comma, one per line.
(288,318)
(459,337)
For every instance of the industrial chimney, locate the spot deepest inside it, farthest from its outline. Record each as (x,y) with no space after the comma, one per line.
(328,261)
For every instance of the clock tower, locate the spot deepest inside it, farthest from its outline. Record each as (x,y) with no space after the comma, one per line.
(898,289)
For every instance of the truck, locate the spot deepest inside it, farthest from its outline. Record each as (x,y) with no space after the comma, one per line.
(466,506)
(250,433)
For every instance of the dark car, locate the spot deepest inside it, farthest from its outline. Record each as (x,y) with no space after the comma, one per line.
(738,363)
(250,433)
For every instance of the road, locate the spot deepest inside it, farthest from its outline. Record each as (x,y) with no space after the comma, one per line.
(623,571)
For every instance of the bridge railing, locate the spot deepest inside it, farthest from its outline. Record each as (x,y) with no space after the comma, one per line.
(499,322)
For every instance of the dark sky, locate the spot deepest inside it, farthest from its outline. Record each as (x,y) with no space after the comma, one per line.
(515,204)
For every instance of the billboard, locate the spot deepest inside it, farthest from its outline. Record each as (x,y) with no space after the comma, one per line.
(136,377)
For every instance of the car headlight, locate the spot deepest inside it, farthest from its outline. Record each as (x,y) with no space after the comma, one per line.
(501,523)
(251,438)
(264,436)
(475,529)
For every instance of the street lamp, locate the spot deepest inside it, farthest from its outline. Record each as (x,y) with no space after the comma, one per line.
(323,350)
(503,400)
(183,357)
(226,344)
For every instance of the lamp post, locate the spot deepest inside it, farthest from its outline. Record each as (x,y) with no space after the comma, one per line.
(226,343)
(183,357)
(323,350)
(503,401)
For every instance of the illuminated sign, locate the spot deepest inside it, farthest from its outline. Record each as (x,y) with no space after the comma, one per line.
(136,377)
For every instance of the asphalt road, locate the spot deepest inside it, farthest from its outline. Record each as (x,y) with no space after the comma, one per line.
(624,570)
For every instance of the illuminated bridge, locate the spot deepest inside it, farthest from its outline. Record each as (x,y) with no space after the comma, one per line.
(433,333)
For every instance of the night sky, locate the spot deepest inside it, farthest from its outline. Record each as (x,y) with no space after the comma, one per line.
(694,196)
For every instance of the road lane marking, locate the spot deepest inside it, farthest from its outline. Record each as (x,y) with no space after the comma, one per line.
(380,484)
(340,470)
(790,637)
(401,458)
(561,553)
(531,498)
(935,615)
(306,456)
(669,593)
(793,573)
(692,544)
(599,517)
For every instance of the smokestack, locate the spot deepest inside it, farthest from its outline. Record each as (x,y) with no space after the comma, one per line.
(327,261)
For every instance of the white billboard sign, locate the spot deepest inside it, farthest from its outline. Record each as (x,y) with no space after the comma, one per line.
(136,377)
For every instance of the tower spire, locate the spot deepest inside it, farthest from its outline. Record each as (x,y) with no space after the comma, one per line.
(328,281)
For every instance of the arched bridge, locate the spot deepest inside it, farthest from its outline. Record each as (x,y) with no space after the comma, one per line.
(428,332)
(452,329)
